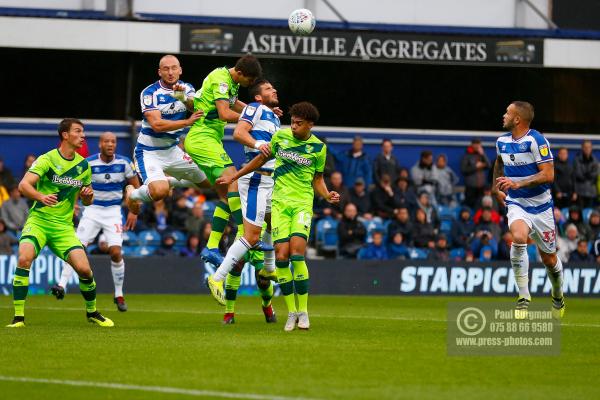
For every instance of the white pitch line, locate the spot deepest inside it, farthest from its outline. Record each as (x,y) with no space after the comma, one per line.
(154,389)
(375,317)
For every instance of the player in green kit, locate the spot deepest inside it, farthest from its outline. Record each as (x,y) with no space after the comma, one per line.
(54,182)
(299,163)
(218,99)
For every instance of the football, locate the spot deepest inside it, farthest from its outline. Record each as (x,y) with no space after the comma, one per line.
(302,22)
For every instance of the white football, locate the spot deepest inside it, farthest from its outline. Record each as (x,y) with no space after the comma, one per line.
(302,22)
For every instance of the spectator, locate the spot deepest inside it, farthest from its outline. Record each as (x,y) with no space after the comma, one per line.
(6,177)
(386,162)
(585,172)
(562,187)
(194,221)
(486,254)
(192,246)
(167,246)
(440,252)
(179,214)
(504,246)
(474,166)
(423,233)
(575,218)
(487,225)
(14,211)
(6,240)
(581,253)
(360,197)
(404,194)
(29,159)
(397,250)
(424,203)
(205,230)
(337,185)
(487,202)
(401,224)
(383,199)
(374,250)
(566,245)
(481,241)
(422,175)
(594,226)
(351,231)
(446,180)
(354,163)
(559,220)
(462,229)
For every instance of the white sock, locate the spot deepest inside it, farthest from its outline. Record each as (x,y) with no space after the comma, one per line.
(65,275)
(269,255)
(118,273)
(556,278)
(235,253)
(142,193)
(520,266)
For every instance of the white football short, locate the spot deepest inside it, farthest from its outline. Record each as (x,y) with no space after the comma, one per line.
(542,226)
(153,164)
(97,218)
(256,191)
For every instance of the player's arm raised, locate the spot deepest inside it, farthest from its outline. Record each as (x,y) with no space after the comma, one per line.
(162,125)
(27,188)
(321,189)
(252,166)
(545,175)
(179,93)
(242,135)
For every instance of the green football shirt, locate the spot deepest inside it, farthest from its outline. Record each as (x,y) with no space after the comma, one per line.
(218,85)
(296,162)
(62,177)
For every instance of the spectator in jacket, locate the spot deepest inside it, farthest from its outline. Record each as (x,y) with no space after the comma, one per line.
(422,174)
(424,203)
(594,226)
(483,240)
(504,246)
(404,195)
(360,197)
(474,167)
(383,198)
(401,224)
(195,221)
(446,180)
(566,245)
(192,247)
(585,172)
(562,188)
(581,253)
(375,250)
(487,225)
(167,246)
(397,250)
(423,233)
(179,213)
(351,231)
(14,211)
(559,220)
(440,252)
(354,163)
(487,202)
(337,184)
(462,229)
(386,162)
(576,219)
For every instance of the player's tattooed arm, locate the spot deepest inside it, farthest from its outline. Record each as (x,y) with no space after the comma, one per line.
(545,175)
(27,188)
(498,172)
(321,189)
(252,166)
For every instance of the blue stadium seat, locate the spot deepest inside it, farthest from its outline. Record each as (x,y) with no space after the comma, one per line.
(209,208)
(130,238)
(149,237)
(180,238)
(446,226)
(326,235)
(565,212)
(128,251)
(372,226)
(418,254)
(445,212)
(586,214)
(456,211)
(142,251)
(457,254)
(91,247)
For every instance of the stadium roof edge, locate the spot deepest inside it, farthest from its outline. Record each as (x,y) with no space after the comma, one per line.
(330,25)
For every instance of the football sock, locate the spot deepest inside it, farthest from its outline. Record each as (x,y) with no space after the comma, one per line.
(232,284)
(236,252)
(301,281)
(235,205)
(20,289)
(65,275)
(142,194)
(520,265)
(88,291)
(286,284)
(556,278)
(219,222)
(266,294)
(118,274)
(269,255)
(180,183)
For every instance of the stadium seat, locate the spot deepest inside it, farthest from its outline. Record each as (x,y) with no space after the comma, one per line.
(446,226)
(418,254)
(457,254)
(565,212)
(142,251)
(372,226)
(128,251)
(149,237)
(456,211)
(91,248)
(180,238)
(326,235)
(586,214)
(130,238)
(209,208)
(445,212)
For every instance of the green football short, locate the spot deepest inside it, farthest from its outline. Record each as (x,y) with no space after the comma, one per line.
(256,259)
(208,153)
(60,238)
(288,219)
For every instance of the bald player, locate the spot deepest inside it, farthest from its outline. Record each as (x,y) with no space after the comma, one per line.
(161,163)
(110,173)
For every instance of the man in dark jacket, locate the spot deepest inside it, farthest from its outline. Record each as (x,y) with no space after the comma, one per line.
(383,199)
(351,231)
(360,196)
(354,163)
(581,253)
(386,162)
(562,188)
(401,224)
(423,176)
(585,172)
(474,167)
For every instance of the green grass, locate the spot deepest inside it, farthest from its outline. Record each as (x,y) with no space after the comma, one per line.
(357,348)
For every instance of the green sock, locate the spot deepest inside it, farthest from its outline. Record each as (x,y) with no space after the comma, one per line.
(286,284)
(232,284)
(88,291)
(20,289)
(266,294)
(301,281)
(219,222)
(235,205)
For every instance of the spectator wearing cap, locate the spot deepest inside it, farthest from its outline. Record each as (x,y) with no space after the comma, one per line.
(440,252)
(585,172)
(14,211)
(474,167)
(383,199)
(397,249)
(360,197)
(446,180)
(401,224)
(351,231)
(462,229)
(576,219)
(487,202)
(167,245)
(386,162)
(423,233)
(375,250)
(404,194)
(581,253)
(563,188)
(354,163)
(566,245)
(594,226)
(422,175)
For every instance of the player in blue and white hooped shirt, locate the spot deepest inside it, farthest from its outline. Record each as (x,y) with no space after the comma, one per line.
(523,175)
(165,106)
(110,174)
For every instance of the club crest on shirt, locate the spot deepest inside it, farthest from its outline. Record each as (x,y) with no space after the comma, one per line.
(522,147)
(309,148)
(544,150)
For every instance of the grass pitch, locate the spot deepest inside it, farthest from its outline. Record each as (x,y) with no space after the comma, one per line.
(174,347)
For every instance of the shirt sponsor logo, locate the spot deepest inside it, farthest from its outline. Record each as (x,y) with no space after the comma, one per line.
(295,157)
(66,180)
(544,150)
